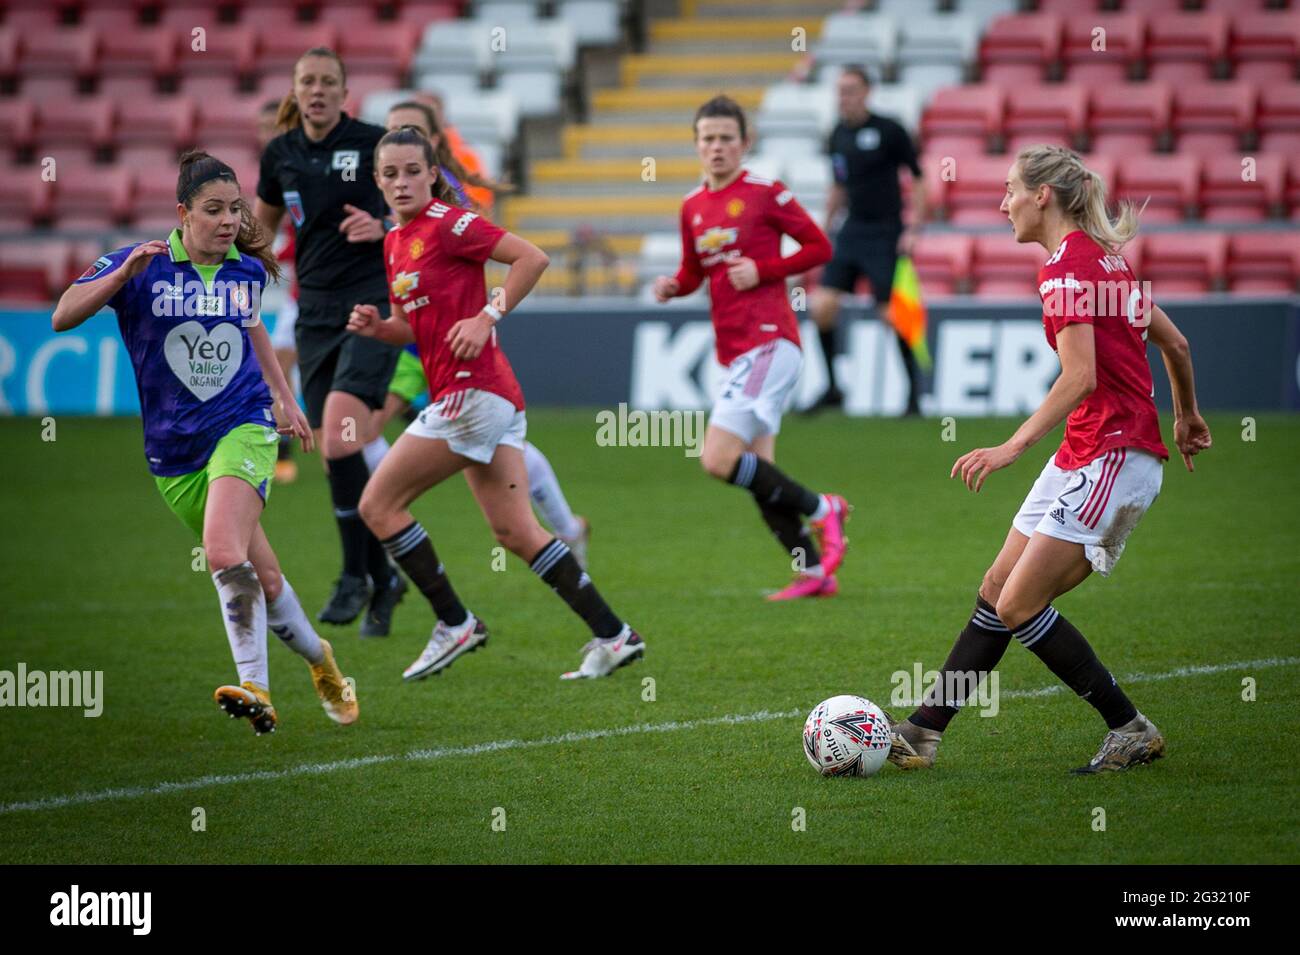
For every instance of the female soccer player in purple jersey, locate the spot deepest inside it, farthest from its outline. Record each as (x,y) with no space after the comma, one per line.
(188,311)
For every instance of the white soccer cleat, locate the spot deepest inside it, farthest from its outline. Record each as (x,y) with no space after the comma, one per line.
(446,644)
(603,657)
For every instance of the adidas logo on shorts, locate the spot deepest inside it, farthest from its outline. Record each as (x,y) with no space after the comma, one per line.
(1058,515)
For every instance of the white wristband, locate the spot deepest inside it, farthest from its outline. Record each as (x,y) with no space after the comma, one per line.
(493,312)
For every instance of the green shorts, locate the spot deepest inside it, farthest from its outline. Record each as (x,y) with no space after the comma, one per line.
(408,379)
(247,452)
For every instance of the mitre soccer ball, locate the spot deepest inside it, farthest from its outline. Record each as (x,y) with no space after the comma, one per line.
(846,736)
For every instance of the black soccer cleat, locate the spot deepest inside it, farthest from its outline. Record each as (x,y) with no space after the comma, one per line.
(349,597)
(379,618)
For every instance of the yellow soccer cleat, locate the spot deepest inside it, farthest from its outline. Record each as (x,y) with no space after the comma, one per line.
(337,695)
(251,701)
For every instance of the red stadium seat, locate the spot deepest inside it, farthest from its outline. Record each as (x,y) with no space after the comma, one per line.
(1001,267)
(1186,46)
(1265,47)
(349,16)
(1032,39)
(1069,8)
(17,122)
(269,17)
(133,52)
(1279,109)
(187,14)
(974,194)
(1243,189)
(85,122)
(1131,109)
(943,262)
(964,111)
(1086,60)
(1170,183)
(1264,262)
(1184,262)
(24,199)
(109,17)
(1058,112)
(1226,108)
(420,13)
(364,82)
(228,121)
(64,52)
(1283,142)
(141,159)
(96,198)
(378,46)
(279,51)
(1149,7)
(164,122)
(9,48)
(1119,145)
(33,19)
(32,271)
(207,88)
(955,145)
(226,51)
(120,88)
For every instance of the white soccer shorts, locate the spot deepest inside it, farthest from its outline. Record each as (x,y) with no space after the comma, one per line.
(1097,505)
(473,423)
(756,390)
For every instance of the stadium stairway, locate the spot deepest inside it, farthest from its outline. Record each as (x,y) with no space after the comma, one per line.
(624,172)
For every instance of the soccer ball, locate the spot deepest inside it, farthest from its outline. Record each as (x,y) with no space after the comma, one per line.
(846,736)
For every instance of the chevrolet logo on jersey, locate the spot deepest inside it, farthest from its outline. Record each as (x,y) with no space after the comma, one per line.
(714,239)
(404,283)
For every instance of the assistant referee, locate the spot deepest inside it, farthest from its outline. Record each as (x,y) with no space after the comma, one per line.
(321,171)
(867,150)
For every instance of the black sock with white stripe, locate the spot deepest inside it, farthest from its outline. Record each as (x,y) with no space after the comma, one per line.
(347,477)
(769,486)
(413,551)
(789,528)
(978,649)
(561,571)
(1067,653)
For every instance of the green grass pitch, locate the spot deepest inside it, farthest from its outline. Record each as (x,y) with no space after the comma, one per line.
(95,574)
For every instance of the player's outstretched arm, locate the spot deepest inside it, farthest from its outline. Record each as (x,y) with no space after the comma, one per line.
(1191,433)
(84,299)
(1077,349)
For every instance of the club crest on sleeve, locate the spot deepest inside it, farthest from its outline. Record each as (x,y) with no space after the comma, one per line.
(97,266)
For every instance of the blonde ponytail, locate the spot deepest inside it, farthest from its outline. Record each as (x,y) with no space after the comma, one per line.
(1080,193)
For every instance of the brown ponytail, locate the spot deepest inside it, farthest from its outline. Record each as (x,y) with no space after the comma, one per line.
(197,170)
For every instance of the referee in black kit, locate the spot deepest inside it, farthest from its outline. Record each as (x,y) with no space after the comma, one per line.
(866,152)
(321,171)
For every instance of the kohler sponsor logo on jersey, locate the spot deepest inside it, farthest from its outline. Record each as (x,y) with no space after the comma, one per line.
(626,428)
(981,367)
(76,688)
(1123,298)
(76,908)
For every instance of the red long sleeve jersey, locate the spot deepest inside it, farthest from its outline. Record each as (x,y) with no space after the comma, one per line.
(746,219)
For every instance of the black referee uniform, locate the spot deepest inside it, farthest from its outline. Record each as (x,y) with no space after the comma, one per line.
(865,160)
(313,181)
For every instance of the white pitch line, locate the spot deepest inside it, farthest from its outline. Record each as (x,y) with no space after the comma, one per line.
(636,729)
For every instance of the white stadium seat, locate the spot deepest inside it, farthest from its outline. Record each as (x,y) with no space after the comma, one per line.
(537,92)
(504,13)
(448,85)
(594,22)
(791,109)
(897,101)
(450,45)
(546,45)
(489,116)
(858,38)
(949,39)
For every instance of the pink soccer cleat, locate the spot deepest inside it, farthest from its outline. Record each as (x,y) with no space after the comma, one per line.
(830,530)
(806,585)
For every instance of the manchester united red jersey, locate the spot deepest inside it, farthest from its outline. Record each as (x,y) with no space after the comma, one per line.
(1083,283)
(435,279)
(746,219)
